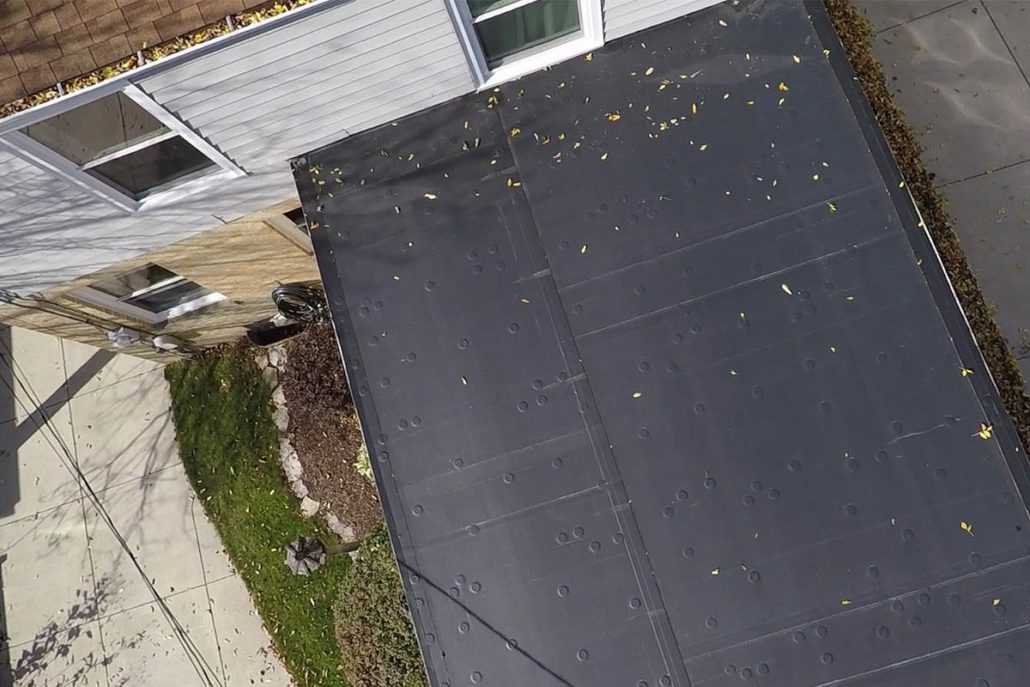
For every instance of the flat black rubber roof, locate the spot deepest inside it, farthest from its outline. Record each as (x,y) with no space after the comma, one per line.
(663,382)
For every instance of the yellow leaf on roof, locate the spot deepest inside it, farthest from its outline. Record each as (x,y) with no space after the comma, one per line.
(985,431)
(637,394)
(783,87)
(797,60)
(515,131)
(583,249)
(613,116)
(996,602)
(715,571)
(589,56)
(604,156)
(966,527)
(430,196)
(965,372)
(845,602)
(649,72)
(786,289)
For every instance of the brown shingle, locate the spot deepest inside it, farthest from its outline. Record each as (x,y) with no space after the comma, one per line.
(45,24)
(74,39)
(42,6)
(140,12)
(7,66)
(106,26)
(11,89)
(111,50)
(17,35)
(13,11)
(35,54)
(91,9)
(179,23)
(67,16)
(76,64)
(141,37)
(216,10)
(38,79)
(179,5)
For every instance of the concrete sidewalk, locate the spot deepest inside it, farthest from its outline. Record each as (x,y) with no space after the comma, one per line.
(959,71)
(74,609)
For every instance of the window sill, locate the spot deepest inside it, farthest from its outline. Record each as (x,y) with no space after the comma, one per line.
(537,61)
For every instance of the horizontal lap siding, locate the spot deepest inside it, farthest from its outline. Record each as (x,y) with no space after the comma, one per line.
(349,67)
(623,17)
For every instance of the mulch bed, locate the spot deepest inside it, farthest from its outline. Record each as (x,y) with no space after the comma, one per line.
(324,430)
(857,36)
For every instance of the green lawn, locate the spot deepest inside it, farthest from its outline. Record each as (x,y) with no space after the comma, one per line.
(229,446)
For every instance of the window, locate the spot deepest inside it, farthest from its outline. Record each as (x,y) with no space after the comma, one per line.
(150,293)
(122,146)
(508,38)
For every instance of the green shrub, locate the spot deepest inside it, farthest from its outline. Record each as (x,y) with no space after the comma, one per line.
(373,624)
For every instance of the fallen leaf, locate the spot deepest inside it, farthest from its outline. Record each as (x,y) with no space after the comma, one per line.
(786,289)
(783,87)
(833,208)
(966,527)
(845,602)
(515,131)
(965,372)
(589,56)
(637,394)
(715,571)
(583,249)
(985,431)
(797,60)
(430,196)
(613,116)
(649,72)
(996,602)
(604,156)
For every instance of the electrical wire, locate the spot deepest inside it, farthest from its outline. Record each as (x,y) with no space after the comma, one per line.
(300,303)
(208,676)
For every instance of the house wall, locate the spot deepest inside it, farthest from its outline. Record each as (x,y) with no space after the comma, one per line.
(242,260)
(260,96)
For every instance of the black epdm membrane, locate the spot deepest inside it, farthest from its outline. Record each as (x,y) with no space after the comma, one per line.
(663,382)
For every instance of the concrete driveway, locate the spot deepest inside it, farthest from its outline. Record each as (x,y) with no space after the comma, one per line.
(959,69)
(75,610)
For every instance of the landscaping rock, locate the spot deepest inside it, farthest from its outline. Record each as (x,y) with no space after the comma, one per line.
(279,397)
(346,533)
(308,507)
(277,357)
(292,467)
(261,359)
(281,418)
(300,490)
(271,376)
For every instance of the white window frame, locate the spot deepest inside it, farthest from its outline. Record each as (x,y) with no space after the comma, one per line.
(109,302)
(38,154)
(591,21)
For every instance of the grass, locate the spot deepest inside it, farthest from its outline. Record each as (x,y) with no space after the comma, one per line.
(229,447)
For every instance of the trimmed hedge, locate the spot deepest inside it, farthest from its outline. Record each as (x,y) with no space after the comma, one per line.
(373,624)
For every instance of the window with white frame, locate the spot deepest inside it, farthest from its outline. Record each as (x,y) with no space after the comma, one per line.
(509,38)
(121,145)
(151,293)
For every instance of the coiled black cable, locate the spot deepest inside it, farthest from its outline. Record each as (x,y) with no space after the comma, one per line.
(300,303)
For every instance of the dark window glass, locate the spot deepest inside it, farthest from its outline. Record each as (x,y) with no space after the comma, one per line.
(527,27)
(96,129)
(144,170)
